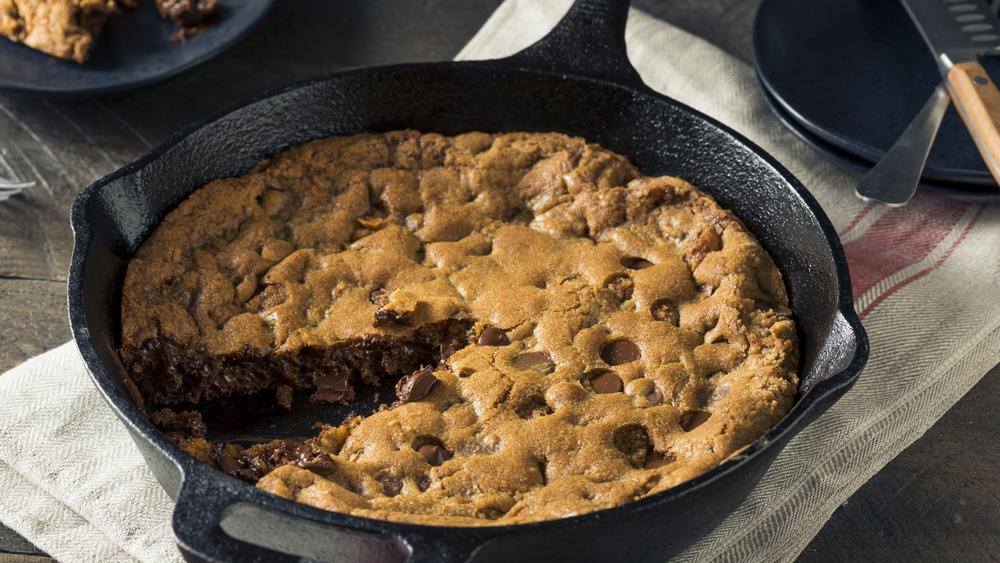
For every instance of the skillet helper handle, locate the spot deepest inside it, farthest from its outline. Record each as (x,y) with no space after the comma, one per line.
(978,102)
(219,519)
(842,358)
(197,524)
(853,333)
(588,41)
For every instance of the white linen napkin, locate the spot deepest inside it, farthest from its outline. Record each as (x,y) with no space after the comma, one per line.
(926,284)
(72,481)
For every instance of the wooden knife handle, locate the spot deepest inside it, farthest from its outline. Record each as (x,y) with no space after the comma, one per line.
(978,102)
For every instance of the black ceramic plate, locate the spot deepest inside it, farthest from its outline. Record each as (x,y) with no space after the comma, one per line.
(966,192)
(852,74)
(133,51)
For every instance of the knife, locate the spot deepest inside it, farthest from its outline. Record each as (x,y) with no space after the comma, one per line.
(957,32)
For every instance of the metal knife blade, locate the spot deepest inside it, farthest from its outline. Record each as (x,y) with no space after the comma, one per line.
(957,33)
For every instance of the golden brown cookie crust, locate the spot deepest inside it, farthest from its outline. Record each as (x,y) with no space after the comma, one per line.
(612,334)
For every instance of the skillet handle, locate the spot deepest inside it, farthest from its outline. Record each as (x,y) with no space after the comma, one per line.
(850,344)
(857,335)
(218,518)
(197,524)
(588,41)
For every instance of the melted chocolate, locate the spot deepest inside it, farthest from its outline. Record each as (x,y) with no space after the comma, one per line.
(167,373)
(415,386)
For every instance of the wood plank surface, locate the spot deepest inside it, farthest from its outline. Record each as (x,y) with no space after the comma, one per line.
(34,319)
(938,500)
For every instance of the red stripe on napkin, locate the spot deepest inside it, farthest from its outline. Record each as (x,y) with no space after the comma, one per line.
(925,271)
(900,238)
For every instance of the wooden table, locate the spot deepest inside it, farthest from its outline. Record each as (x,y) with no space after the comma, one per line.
(939,499)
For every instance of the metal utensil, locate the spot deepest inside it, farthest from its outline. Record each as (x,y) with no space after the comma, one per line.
(893,180)
(957,33)
(9,188)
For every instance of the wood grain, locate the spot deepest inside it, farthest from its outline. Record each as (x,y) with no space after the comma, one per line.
(978,103)
(938,500)
(21,557)
(34,319)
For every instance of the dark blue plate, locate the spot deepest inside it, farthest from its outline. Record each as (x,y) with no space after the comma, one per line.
(133,51)
(967,192)
(849,76)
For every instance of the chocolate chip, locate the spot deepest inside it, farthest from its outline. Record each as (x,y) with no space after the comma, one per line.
(391,485)
(238,466)
(708,397)
(275,453)
(533,406)
(702,398)
(444,352)
(606,382)
(228,464)
(322,465)
(385,316)
(415,386)
(656,460)
(493,336)
(332,388)
(654,396)
(434,454)
(633,441)
(635,263)
(539,361)
(620,352)
(695,420)
(664,310)
(621,285)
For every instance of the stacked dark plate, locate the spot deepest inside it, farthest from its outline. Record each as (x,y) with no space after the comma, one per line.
(847,77)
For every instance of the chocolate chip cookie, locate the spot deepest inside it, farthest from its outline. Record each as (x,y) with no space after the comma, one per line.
(66,29)
(566,333)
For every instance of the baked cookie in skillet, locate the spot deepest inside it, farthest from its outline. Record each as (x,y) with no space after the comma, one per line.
(566,333)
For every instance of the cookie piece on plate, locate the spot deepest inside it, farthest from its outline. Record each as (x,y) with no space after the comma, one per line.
(67,29)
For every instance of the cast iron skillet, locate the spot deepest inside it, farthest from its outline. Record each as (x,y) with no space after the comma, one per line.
(576,80)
